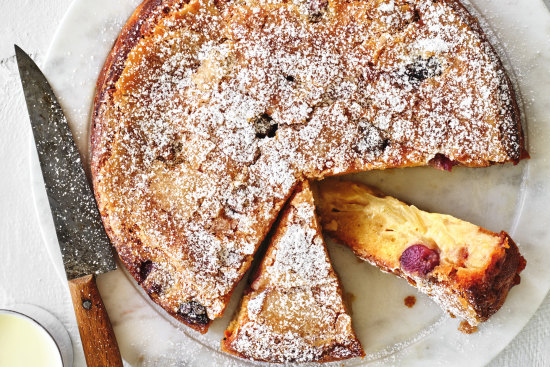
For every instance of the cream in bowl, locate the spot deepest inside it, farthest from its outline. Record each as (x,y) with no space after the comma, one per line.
(24,342)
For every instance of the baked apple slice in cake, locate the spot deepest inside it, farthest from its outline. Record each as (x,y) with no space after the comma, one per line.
(466,269)
(293,310)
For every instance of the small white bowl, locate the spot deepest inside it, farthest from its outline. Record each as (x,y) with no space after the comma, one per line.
(49,328)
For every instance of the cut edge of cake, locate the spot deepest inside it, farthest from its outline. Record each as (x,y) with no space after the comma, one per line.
(468,280)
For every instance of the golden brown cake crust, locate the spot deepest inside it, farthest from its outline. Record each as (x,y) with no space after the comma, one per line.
(165,263)
(512,108)
(471,281)
(140,23)
(488,294)
(293,310)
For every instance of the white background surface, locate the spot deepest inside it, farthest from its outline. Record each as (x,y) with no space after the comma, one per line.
(26,273)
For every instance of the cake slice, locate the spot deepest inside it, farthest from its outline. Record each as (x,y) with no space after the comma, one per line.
(293,310)
(466,269)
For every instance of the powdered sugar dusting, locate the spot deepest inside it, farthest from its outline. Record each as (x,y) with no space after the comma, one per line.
(226,106)
(294,311)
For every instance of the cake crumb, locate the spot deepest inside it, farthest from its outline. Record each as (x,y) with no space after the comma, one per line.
(466,328)
(410,301)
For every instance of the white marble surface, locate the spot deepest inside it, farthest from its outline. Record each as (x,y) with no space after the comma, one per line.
(28,275)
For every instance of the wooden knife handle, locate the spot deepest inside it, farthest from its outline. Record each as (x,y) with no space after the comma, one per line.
(98,339)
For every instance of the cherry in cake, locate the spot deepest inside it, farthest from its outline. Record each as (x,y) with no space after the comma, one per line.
(293,310)
(466,269)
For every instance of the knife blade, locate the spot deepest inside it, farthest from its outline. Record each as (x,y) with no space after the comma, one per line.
(85,247)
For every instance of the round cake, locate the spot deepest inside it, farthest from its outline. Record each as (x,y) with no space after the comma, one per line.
(209,113)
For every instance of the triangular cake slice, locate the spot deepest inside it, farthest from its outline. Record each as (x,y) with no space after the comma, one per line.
(293,310)
(466,269)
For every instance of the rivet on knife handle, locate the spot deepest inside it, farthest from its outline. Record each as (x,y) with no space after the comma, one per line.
(98,339)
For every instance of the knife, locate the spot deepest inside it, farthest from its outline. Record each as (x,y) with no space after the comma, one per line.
(85,247)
